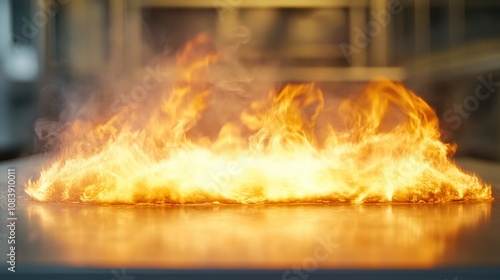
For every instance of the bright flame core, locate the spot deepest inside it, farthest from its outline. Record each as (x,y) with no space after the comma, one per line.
(381,146)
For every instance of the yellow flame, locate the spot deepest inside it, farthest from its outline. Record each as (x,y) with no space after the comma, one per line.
(382,145)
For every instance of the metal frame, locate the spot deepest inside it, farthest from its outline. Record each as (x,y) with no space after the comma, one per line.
(130,27)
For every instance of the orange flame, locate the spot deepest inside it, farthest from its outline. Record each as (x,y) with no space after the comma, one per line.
(381,146)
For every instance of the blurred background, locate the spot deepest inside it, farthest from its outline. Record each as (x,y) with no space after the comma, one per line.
(448,51)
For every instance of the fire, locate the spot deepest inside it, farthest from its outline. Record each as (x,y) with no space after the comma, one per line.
(382,145)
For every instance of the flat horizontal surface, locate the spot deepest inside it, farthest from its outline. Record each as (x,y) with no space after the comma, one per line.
(243,274)
(319,236)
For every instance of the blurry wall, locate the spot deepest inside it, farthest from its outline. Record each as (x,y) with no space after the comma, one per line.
(440,48)
(20,60)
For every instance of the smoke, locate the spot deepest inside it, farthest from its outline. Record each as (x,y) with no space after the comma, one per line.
(47,132)
(132,99)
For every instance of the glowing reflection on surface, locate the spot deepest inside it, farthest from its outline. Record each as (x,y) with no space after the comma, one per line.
(270,236)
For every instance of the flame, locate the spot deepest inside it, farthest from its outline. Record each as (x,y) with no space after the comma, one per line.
(382,145)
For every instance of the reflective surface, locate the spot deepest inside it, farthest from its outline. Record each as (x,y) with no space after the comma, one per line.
(257,236)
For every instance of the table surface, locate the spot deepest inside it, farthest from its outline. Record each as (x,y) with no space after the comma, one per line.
(331,236)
